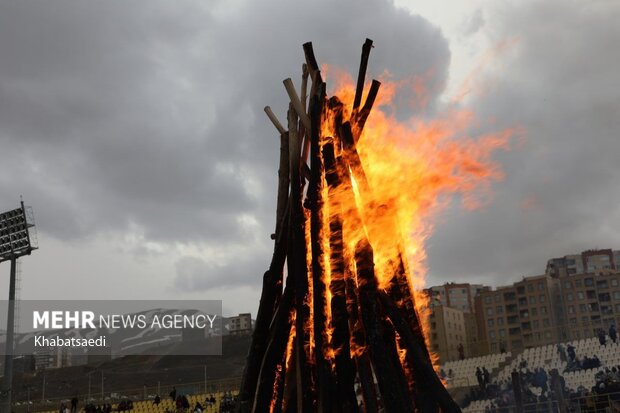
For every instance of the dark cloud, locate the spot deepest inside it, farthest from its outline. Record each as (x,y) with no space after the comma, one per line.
(559,83)
(120,116)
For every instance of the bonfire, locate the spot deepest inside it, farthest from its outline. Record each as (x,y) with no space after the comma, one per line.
(345,322)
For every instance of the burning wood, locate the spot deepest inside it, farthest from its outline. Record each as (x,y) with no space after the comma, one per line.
(338,325)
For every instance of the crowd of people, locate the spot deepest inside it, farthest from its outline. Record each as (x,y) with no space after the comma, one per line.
(543,391)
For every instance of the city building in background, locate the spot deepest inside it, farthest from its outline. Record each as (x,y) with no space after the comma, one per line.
(578,295)
(241,324)
(588,262)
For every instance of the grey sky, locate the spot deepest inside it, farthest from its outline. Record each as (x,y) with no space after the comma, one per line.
(136,131)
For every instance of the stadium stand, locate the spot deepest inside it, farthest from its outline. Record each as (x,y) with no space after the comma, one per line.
(590,371)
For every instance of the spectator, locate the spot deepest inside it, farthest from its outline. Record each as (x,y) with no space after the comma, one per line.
(74,403)
(480,378)
(613,333)
(562,353)
(486,376)
(570,350)
(461,351)
(601,337)
(157,400)
(173,394)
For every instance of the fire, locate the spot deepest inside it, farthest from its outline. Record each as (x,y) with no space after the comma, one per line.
(356,241)
(410,170)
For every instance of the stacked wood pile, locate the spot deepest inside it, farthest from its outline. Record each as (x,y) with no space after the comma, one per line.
(329,331)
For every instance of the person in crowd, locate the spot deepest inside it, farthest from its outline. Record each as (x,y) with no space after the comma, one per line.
(486,376)
(198,408)
(461,351)
(479,378)
(156,400)
(613,333)
(562,352)
(602,338)
(173,394)
(570,350)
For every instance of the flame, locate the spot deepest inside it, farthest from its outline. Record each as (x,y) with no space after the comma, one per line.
(408,171)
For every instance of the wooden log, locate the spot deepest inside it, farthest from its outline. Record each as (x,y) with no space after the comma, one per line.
(356,327)
(274,119)
(423,368)
(353,159)
(304,85)
(361,77)
(289,402)
(279,331)
(272,286)
(297,105)
(389,372)
(316,203)
(297,268)
(278,391)
(345,367)
(360,117)
(313,67)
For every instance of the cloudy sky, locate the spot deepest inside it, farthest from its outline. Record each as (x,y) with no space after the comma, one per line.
(135,130)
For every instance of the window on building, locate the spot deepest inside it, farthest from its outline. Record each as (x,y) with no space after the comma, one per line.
(492,335)
(589,282)
(530,288)
(541,286)
(499,309)
(490,322)
(490,311)
(500,321)
(534,311)
(545,322)
(580,295)
(614,282)
(502,333)
(573,321)
(487,299)
(535,324)
(569,297)
(578,283)
(547,334)
(498,298)
(542,298)
(568,285)
(532,300)
(571,309)
(543,310)
(616,295)
(602,284)
(583,308)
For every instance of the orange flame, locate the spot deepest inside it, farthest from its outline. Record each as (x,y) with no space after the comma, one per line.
(410,170)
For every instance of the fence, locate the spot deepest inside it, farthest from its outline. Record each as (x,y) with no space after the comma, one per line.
(135,394)
(592,403)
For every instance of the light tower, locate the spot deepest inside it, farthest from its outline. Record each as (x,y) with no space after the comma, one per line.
(17,238)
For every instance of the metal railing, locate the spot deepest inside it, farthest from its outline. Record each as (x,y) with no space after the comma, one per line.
(134,394)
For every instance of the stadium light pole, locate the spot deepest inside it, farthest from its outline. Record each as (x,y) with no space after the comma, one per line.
(15,241)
